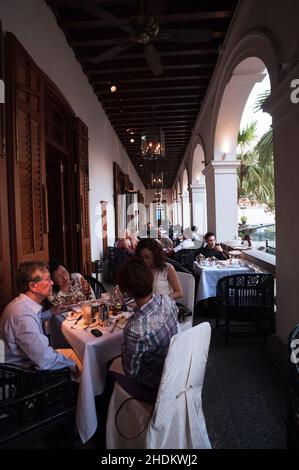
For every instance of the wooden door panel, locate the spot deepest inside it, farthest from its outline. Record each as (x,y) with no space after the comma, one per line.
(83,228)
(26,119)
(5,261)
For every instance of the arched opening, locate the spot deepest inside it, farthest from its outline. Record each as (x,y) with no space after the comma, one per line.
(223,205)
(198,190)
(198,164)
(256,206)
(185,200)
(179,203)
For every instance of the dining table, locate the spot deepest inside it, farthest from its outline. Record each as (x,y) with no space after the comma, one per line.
(94,353)
(210,275)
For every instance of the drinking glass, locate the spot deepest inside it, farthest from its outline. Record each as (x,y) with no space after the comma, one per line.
(86,312)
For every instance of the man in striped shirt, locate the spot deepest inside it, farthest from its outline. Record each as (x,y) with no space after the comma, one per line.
(148,332)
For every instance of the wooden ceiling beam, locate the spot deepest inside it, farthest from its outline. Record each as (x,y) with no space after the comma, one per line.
(148,112)
(159,106)
(154,98)
(114,41)
(164,19)
(152,80)
(212,50)
(125,70)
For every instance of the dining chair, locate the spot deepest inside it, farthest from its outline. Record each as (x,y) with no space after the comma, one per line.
(245,299)
(187,282)
(96,285)
(177,266)
(34,402)
(293,396)
(186,258)
(176,421)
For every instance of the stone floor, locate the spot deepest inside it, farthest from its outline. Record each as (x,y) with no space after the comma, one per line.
(244,396)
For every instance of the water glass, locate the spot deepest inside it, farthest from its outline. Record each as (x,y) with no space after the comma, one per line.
(86,312)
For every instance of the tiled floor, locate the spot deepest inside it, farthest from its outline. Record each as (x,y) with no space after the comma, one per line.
(244,396)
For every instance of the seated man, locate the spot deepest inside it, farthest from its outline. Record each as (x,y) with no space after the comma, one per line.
(212,248)
(186,241)
(148,332)
(21,324)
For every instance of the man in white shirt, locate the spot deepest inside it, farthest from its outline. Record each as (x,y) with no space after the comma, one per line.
(21,324)
(186,241)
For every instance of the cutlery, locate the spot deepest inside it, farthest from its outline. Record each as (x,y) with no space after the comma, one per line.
(114,326)
(79,318)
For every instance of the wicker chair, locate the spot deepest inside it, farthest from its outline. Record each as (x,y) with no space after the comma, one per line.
(245,298)
(34,402)
(177,266)
(293,401)
(185,258)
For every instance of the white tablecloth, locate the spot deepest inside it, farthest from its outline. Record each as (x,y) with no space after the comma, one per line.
(94,354)
(209,276)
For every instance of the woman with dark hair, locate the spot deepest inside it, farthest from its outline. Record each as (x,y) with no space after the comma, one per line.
(165,278)
(68,288)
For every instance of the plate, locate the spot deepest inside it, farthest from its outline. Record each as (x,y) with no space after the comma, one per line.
(234,252)
(73,315)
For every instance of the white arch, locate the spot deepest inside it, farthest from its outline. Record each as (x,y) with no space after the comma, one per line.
(179,202)
(254,44)
(244,77)
(185,181)
(242,67)
(186,214)
(198,159)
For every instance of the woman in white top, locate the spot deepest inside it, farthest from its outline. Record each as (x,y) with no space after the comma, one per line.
(165,278)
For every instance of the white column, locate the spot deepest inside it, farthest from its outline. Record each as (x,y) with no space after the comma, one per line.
(285,114)
(199,207)
(186,210)
(175,212)
(222,210)
(180,210)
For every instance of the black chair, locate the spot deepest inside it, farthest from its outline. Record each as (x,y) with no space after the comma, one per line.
(185,258)
(110,277)
(177,266)
(34,402)
(293,399)
(245,298)
(96,285)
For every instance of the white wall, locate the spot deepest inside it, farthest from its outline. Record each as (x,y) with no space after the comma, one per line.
(35,26)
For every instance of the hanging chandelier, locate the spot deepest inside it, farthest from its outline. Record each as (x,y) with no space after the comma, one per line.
(157,180)
(152,143)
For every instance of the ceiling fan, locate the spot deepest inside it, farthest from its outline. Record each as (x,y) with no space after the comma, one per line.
(144,29)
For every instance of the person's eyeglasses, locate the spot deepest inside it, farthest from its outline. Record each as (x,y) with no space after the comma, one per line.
(36,279)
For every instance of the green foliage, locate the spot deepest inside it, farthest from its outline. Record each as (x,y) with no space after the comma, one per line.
(256,170)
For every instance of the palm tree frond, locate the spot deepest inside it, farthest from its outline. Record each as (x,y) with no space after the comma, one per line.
(260,100)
